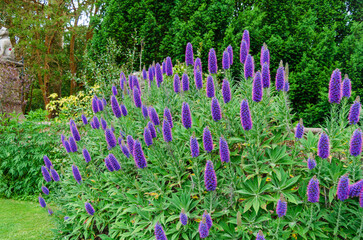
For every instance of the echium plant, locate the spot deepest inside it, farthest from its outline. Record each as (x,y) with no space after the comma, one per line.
(167,158)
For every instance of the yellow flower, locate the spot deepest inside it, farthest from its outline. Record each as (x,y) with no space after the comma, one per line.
(268,179)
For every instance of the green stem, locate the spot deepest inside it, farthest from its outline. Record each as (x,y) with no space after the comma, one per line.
(277,229)
(361,225)
(311,215)
(338,219)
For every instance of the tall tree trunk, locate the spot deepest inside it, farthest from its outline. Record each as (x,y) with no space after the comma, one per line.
(72,60)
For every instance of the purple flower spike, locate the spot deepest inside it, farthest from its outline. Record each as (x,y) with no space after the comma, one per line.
(95,104)
(136,83)
(42,202)
(189,58)
(110,138)
(109,165)
(151,127)
(183,217)
(225,60)
(313,190)
(281,207)
(67,146)
(286,86)
(154,116)
(203,229)
(76,174)
(144,74)
(265,55)
(246,37)
(208,219)
(169,67)
(311,163)
(356,143)
(163,67)
(226,91)
(216,110)
(194,146)
(230,54)
(324,146)
(122,80)
(139,156)
(103,124)
(137,98)
(260,236)
(243,52)
(257,91)
(299,132)
(45,190)
(86,155)
(167,131)
(47,162)
(159,232)
(115,107)
(100,105)
(113,161)
(144,111)
(361,198)
(46,175)
(212,61)
(347,87)
(151,74)
(96,122)
(207,140)
(249,67)
(266,76)
(131,82)
(186,116)
(123,110)
(335,87)
(73,144)
(54,174)
(147,137)
(90,210)
(354,112)
(176,83)
(84,119)
(124,148)
(245,115)
(198,78)
(280,77)
(210,179)
(223,150)
(198,65)
(158,74)
(343,188)
(114,90)
(210,87)
(185,82)
(355,189)
(167,115)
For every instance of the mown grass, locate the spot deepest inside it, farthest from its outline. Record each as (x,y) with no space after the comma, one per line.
(23,220)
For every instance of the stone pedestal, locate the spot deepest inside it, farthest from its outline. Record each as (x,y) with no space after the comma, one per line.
(10,88)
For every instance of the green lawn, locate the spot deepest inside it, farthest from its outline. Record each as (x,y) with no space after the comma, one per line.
(23,220)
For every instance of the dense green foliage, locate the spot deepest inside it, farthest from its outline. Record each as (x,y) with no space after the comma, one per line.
(22,150)
(21,220)
(265,162)
(312,36)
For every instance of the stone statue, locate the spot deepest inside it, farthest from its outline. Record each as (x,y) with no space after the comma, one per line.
(6,49)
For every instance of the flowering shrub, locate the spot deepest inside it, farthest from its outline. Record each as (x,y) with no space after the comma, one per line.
(218,159)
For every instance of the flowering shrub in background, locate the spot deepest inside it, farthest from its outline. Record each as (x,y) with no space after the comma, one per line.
(190,156)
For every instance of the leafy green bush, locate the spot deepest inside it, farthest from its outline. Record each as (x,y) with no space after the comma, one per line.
(22,150)
(266,161)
